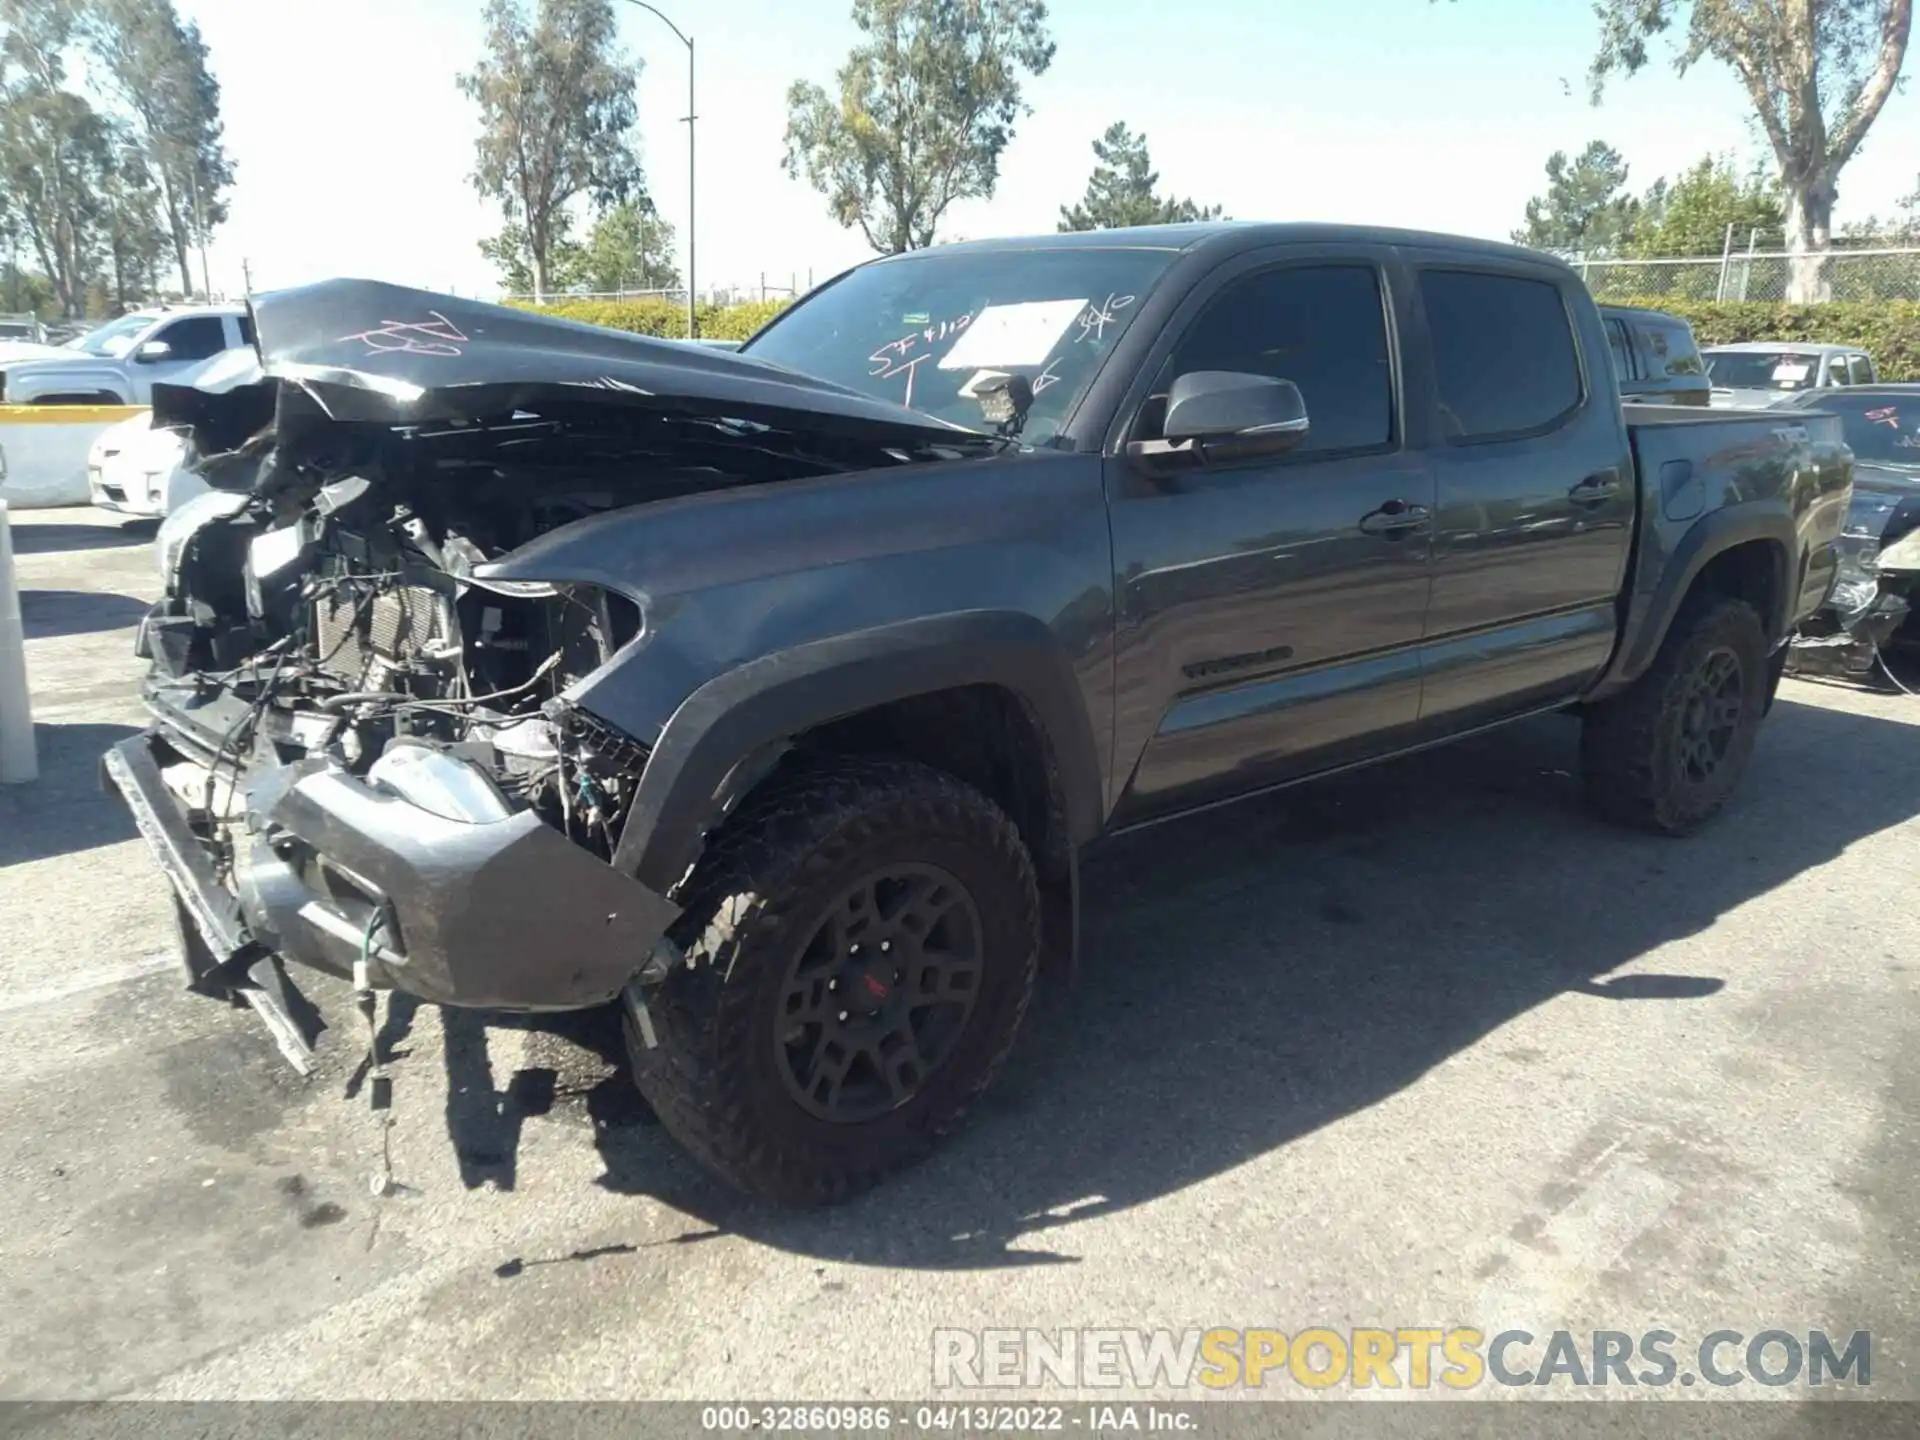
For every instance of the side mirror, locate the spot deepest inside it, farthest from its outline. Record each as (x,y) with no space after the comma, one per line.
(152,351)
(1225,415)
(1214,405)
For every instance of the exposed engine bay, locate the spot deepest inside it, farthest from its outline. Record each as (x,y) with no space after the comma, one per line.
(346,617)
(364,756)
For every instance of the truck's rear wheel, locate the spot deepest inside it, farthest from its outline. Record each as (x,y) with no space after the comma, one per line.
(863,940)
(1665,754)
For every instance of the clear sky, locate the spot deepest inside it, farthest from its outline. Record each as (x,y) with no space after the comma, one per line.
(353,147)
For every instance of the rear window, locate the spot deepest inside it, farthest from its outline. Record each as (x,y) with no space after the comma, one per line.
(1621,348)
(1504,356)
(1674,344)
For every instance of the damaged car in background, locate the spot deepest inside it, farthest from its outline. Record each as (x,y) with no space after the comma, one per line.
(518,664)
(1871,617)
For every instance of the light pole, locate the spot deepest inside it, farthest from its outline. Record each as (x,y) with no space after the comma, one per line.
(686,40)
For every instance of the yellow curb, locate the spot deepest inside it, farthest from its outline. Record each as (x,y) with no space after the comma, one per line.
(66,414)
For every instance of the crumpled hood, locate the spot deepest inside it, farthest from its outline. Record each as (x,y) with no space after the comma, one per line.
(369,351)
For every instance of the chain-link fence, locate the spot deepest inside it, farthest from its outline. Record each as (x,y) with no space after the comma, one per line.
(1890,274)
(1738,274)
(789,285)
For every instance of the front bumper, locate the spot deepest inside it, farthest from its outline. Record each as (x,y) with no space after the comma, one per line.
(329,871)
(113,491)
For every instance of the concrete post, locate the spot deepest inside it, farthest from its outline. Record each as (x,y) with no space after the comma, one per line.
(18,763)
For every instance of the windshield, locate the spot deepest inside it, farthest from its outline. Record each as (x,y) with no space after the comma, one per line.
(1878,428)
(924,330)
(112,339)
(1769,370)
(13,330)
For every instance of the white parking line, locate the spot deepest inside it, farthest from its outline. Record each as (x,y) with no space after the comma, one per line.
(82,981)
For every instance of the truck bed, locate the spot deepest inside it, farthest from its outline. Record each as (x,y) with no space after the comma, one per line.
(1702,473)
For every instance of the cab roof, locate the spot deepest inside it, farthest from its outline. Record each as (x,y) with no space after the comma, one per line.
(1226,234)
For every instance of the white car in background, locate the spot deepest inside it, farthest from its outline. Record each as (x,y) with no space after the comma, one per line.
(136,470)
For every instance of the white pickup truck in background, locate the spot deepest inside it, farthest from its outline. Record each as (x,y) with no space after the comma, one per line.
(135,470)
(118,363)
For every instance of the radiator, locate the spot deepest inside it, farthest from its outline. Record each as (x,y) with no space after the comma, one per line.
(396,624)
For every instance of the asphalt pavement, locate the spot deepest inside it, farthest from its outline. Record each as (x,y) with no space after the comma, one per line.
(1419,1046)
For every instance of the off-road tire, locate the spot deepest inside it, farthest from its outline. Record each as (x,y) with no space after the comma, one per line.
(713,1075)
(1631,745)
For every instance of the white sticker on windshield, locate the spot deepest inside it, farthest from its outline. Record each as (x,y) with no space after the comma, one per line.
(1022,334)
(1791,373)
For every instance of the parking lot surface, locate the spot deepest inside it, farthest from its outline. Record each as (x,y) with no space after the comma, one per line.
(1423,1045)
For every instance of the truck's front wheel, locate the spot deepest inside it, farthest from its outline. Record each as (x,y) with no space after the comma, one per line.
(862,940)
(1665,754)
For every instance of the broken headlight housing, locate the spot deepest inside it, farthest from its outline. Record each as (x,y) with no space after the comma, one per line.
(170,542)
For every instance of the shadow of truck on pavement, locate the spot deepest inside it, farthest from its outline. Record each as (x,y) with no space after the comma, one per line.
(46,613)
(1253,975)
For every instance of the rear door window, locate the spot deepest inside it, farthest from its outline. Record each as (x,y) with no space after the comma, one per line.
(1505,360)
(1860,369)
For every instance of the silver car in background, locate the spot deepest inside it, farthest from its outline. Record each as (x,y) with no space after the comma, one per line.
(1762,373)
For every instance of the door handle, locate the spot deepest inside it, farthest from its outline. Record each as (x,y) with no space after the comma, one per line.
(1595,488)
(1396,517)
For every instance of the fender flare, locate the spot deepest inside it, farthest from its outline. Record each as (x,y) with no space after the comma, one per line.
(1704,541)
(736,718)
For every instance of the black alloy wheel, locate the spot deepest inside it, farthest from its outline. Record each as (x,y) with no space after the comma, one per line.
(1711,715)
(875,1001)
(861,941)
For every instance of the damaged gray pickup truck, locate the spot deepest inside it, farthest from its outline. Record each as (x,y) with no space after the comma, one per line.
(520,664)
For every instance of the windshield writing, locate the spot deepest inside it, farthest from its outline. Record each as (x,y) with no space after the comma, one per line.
(1877,428)
(927,330)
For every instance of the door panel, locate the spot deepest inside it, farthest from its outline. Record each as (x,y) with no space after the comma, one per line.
(1299,651)
(1535,498)
(1474,678)
(1263,633)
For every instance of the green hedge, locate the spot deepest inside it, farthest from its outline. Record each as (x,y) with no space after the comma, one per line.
(664,318)
(1889,330)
